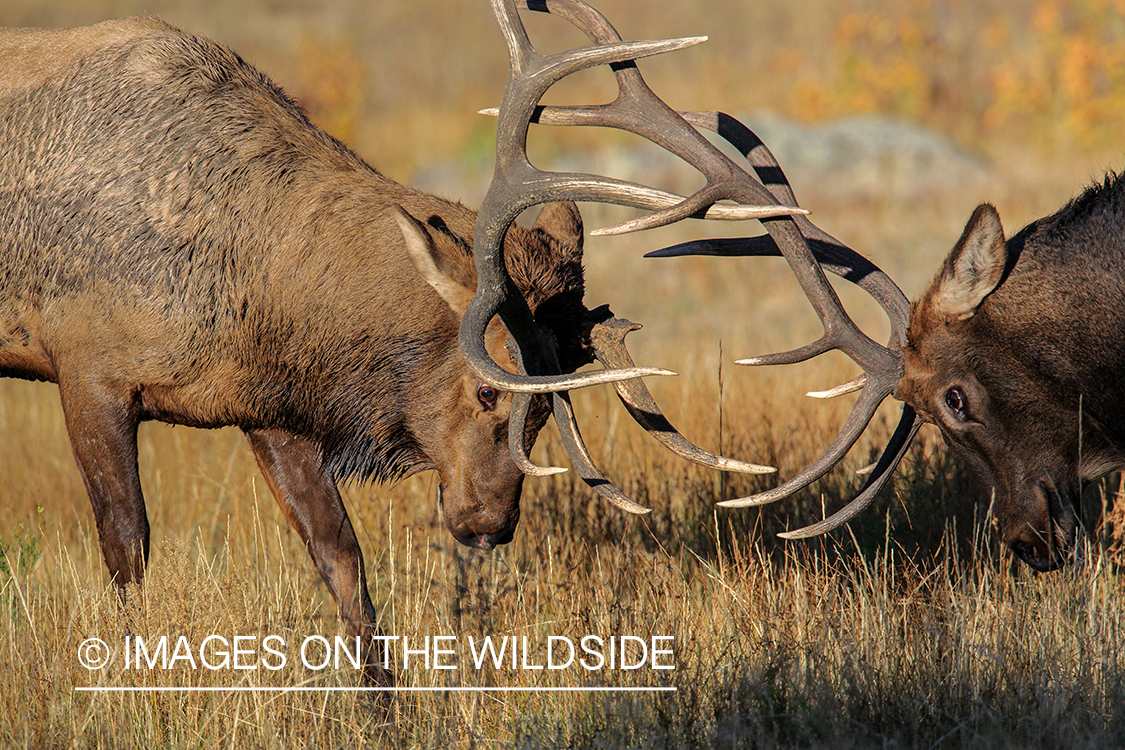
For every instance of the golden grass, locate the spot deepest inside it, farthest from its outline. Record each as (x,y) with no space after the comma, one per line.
(853,642)
(911,630)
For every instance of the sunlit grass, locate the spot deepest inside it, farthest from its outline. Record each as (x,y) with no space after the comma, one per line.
(776,645)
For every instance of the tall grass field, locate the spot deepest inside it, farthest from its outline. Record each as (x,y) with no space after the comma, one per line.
(693,626)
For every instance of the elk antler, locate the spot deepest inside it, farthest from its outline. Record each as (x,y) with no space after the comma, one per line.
(517,185)
(799,241)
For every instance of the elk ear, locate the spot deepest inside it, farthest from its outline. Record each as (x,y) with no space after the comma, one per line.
(974,268)
(424,250)
(562,222)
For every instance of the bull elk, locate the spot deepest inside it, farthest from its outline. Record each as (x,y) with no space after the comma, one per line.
(1012,351)
(179,243)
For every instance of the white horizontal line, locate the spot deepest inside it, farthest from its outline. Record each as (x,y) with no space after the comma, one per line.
(245,689)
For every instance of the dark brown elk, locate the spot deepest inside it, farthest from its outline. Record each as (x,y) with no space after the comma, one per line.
(1013,351)
(179,243)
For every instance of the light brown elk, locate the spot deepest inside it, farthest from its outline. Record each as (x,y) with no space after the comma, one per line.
(1014,350)
(179,243)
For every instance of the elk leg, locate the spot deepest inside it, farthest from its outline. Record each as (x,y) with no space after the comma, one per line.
(102,425)
(309,497)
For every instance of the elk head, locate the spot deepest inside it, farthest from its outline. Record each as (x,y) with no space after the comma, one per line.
(465,431)
(1001,354)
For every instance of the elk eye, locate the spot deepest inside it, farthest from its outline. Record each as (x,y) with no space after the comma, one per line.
(486,394)
(955,400)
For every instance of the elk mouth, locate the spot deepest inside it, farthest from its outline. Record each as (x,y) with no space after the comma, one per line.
(485,542)
(1038,555)
(470,537)
(1050,549)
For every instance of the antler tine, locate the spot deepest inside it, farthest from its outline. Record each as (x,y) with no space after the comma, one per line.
(896,448)
(583,464)
(853,385)
(521,405)
(608,340)
(517,421)
(859,417)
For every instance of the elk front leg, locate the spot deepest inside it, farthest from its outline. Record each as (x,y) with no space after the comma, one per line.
(102,424)
(309,497)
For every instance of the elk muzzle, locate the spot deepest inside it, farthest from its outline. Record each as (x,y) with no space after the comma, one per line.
(1043,534)
(483,524)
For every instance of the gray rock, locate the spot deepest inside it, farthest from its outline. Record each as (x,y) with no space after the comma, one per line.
(849,158)
(866,155)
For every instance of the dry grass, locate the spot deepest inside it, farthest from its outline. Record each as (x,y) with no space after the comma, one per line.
(912,633)
(911,630)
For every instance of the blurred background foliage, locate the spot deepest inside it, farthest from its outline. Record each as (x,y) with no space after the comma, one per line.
(1048,73)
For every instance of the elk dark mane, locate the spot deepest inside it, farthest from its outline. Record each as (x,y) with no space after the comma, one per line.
(1098,209)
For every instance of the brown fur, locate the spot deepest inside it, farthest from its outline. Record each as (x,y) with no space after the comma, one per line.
(179,243)
(1024,335)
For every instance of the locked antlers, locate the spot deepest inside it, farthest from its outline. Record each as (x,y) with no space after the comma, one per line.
(730,193)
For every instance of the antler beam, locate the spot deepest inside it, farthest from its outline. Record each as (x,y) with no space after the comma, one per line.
(730,192)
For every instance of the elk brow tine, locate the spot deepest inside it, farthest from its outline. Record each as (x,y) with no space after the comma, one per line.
(608,340)
(893,454)
(855,384)
(854,426)
(583,464)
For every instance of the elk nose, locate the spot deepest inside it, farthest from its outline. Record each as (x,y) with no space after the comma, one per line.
(1035,555)
(486,541)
